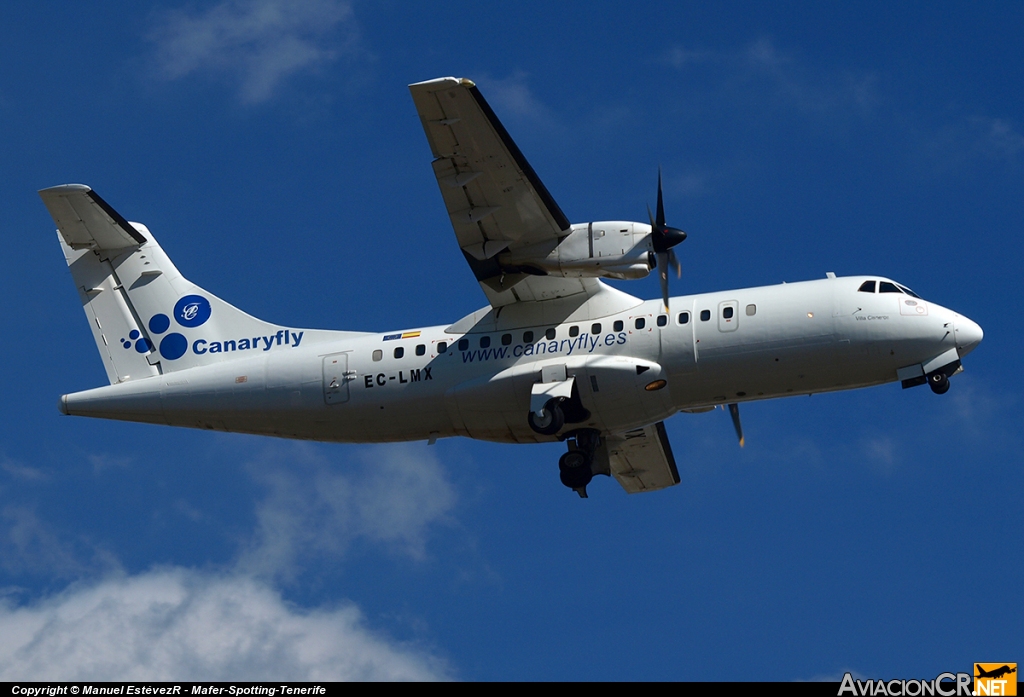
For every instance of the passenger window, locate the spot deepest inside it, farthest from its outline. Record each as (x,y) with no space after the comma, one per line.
(485,341)
(751,310)
(727,312)
(527,337)
(705,315)
(640,323)
(506,339)
(618,325)
(867,287)
(595,328)
(574,331)
(463,344)
(420,349)
(886,287)
(662,320)
(399,352)
(378,354)
(550,334)
(684,318)
(442,347)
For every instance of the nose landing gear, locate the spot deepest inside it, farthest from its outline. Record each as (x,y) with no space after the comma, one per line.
(939,382)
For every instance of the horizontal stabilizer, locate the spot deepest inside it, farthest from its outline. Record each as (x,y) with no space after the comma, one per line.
(86,221)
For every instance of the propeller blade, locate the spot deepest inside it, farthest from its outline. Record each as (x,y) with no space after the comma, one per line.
(663,239)
(663,276)
(734,411)
(661,204)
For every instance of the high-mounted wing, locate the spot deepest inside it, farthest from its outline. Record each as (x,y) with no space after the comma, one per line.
(495,200)
(641,460)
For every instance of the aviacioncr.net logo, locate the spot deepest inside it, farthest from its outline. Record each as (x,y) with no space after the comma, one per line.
(190,311)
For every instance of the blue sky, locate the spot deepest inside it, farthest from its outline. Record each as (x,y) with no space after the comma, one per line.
(274,151)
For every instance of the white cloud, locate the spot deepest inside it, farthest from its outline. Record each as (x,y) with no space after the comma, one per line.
(1000,138)
(103,462)
(389,494)
(971,139)
(177,624)
(184,624)
(28,545)
(512,96)
(679,57)
(696,182)
(784,79)
(23,472)
(880,453)
(256,44)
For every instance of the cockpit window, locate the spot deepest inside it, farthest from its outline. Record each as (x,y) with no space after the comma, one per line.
(886,287)
(908,291)
(867,287)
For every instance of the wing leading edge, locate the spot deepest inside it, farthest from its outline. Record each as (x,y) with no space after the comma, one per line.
(495,200)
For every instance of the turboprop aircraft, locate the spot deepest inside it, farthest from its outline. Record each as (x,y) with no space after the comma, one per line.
(556,355)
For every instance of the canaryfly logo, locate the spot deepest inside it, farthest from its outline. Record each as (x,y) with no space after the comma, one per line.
(194,311)
(583,343)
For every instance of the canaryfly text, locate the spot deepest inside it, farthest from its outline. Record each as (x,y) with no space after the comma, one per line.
(284,337)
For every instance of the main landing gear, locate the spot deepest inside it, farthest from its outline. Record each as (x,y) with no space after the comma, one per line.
(549,420)
(575,468)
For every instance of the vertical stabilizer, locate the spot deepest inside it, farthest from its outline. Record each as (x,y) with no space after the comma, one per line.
(146,318)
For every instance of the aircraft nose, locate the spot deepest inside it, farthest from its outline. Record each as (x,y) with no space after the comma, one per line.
(968,335)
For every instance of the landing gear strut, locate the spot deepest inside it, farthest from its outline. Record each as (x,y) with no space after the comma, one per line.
(575,467)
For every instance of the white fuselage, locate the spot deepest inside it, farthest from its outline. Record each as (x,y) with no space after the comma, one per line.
(710,349)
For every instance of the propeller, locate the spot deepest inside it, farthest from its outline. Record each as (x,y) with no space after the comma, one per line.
(664,238)
(734,412)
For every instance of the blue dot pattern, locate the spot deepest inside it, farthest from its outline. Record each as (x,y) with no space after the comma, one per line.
(158,324)
(189,311)
(173,346)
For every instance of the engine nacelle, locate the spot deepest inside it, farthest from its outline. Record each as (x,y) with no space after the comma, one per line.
(612,249)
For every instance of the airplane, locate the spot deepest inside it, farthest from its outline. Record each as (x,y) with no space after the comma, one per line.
(994,673)
(556,355)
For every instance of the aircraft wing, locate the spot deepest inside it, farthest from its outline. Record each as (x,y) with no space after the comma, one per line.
(641,460)
(495,200)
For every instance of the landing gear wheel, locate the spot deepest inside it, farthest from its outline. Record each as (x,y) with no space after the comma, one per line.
(574,469)
(549,421)
(939,383)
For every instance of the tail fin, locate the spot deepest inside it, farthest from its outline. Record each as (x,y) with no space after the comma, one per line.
(145,317)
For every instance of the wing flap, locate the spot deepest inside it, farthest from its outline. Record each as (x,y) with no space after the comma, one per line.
(642,460)
(86,221)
